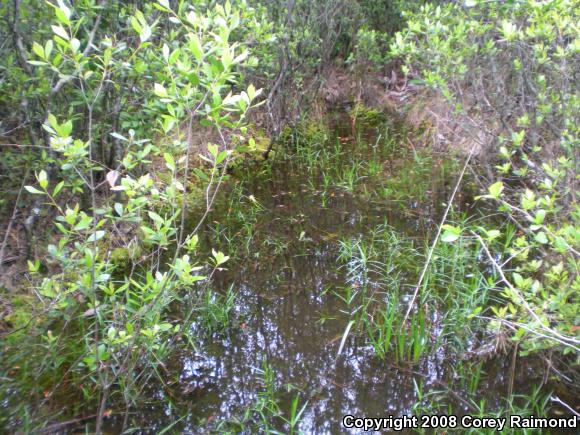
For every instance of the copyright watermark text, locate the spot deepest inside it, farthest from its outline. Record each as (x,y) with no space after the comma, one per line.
(454,421)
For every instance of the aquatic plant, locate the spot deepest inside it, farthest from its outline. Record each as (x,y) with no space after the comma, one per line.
(215,312)
(266,414)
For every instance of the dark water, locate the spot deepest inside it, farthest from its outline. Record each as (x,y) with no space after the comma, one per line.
(285,274)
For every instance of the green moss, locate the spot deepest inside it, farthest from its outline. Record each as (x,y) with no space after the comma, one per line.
(367,115)
(20,313)
(124,256)
(120,256)
(306,133)
(253,149)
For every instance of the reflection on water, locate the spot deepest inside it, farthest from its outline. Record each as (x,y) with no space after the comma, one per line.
(289,316)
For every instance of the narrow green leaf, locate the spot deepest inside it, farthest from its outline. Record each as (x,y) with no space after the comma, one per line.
(160,90)
(541,238)
(42,179)
(57,188)
(60,31)
(195,47)
(34,190)
(97,235)
(449,237)
(38,50)
(344,337)
(495,189)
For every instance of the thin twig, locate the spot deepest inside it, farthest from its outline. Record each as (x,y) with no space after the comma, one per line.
(89,47)
(513,371)
(565,405)
(515,325)
(432,249)
(12,220)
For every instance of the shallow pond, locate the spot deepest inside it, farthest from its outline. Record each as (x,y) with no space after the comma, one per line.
(295,227)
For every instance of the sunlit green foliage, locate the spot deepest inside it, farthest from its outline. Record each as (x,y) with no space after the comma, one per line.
(103,325)
(507,68)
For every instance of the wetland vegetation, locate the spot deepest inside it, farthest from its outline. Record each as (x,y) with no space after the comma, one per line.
(262,216)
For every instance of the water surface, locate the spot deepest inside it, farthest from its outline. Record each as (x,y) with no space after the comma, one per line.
(283,223)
